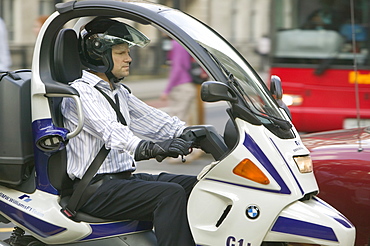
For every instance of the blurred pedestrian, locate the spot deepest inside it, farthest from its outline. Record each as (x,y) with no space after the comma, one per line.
(5,59)
(180,92)
(263,49)
(38,23)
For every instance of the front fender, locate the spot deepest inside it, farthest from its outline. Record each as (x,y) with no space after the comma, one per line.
(312,221)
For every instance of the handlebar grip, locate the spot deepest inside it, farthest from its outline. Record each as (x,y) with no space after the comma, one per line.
(188,135)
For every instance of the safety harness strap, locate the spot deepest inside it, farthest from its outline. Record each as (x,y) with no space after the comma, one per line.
(75,202)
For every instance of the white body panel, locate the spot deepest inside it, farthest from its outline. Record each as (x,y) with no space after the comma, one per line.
(221,188)
(44,207)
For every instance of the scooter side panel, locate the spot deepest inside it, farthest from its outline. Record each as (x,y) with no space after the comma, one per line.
(221,212)
(39,214)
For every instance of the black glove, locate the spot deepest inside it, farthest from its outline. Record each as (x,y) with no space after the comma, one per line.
(169,148)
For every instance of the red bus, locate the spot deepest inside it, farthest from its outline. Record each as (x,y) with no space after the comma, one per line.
(322,62)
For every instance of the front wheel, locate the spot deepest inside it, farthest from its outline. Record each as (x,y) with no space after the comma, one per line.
(18,238)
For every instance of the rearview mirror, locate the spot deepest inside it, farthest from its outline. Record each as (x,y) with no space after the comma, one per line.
(276,88)
(213,91)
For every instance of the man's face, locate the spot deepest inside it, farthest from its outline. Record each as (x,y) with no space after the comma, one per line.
(121,60)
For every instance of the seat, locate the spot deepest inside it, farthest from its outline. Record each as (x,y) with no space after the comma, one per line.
(66,68)
(67,65)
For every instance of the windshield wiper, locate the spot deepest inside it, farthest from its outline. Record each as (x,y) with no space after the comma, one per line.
(280,123)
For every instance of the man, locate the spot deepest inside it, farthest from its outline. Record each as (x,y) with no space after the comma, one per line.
(122,195)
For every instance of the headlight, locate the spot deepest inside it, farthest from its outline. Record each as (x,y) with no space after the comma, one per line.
(292,100)
(304,163)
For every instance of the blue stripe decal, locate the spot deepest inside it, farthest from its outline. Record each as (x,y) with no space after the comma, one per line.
(291,171)
(40,227)
(251,145)
(302,228)
(245,186)
(343,222)
(340,218)
(117,228)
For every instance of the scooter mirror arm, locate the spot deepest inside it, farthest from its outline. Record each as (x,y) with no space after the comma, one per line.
(80,115)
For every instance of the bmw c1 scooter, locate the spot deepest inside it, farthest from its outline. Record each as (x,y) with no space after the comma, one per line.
(260,189)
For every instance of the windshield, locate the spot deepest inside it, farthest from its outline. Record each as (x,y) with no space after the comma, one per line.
(241,76)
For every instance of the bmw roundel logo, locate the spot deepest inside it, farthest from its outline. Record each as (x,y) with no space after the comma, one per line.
(253,212)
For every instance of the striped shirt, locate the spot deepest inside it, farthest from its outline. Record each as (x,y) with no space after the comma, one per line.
(101,127)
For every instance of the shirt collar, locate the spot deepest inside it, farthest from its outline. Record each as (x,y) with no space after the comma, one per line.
(93,80)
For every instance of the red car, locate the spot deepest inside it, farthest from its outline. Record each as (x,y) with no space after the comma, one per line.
(342,167)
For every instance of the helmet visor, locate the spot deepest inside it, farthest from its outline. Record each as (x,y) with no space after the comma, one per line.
(134,38)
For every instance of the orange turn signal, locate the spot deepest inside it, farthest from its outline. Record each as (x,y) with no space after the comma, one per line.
(247,169)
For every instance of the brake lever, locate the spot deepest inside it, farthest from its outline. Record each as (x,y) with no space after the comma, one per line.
(183,157)
(160,158)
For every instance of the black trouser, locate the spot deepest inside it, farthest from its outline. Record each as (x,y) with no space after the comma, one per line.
(159,198)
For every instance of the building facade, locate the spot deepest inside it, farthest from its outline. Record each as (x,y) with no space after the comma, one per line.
(241,22)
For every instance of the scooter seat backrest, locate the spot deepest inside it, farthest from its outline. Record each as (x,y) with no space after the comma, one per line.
(66,68)
(67,63)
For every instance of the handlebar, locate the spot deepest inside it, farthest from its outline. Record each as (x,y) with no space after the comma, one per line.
(80,115)
(207,138)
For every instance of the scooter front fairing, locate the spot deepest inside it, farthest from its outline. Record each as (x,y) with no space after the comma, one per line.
(226,208)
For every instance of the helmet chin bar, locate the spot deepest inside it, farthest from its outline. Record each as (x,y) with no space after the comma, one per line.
(107,67)
(112,79)
(108,64)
